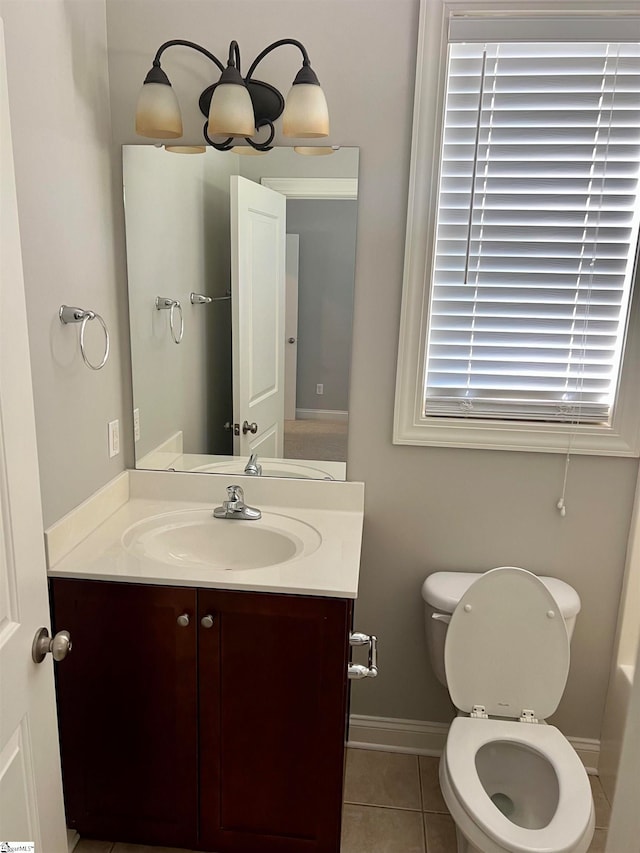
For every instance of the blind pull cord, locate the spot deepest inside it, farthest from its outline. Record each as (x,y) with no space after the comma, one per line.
(561,504)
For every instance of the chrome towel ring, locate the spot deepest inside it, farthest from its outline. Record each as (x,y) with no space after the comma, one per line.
(68,314)
(162,303)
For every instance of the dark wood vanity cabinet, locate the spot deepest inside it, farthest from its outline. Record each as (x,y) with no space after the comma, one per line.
(224,734)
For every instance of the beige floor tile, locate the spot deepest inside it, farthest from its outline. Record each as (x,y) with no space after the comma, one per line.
(599,841)
(603,809)
(88,845)
(382,779)
(432,800)
(441,833)
(366,829)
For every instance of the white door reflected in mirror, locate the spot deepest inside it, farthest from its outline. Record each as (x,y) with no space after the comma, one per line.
(258,224)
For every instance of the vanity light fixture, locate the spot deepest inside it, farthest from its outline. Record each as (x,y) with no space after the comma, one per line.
(236,106)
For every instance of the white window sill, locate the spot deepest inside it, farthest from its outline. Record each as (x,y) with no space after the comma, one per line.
(527,437)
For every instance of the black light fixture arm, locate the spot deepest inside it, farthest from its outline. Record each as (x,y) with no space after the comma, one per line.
(276,44)
(194,46)
(234,55)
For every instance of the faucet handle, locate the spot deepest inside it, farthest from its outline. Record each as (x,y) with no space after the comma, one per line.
(235,494)
(235,507)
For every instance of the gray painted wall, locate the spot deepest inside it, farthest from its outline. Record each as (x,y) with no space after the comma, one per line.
(327,230)
(68,201)
(459,508)
(466,509)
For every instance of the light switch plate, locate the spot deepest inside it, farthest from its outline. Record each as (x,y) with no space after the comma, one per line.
(114,438)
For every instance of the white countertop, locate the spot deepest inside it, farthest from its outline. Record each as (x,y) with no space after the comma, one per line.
(331,570)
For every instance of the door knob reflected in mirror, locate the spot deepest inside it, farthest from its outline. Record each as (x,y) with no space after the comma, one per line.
(59,645)
(247,427)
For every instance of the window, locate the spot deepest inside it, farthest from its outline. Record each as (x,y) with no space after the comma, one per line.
(531,243)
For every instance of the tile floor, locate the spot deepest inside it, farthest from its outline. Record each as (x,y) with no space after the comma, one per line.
(393,804)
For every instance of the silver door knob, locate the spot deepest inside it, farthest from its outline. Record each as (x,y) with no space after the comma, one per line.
(292,340)
(59,645)
(183,620)
(207,621)
(247,427)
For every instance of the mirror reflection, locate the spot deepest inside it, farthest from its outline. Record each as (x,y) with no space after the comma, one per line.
(241,273)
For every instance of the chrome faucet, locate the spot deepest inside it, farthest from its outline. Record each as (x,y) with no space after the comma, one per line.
(253,467)
(235,507)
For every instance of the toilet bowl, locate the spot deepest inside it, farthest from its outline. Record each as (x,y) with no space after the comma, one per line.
(514,790)
(512,783)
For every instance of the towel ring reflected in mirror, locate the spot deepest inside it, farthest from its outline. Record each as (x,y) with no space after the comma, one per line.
(164,303)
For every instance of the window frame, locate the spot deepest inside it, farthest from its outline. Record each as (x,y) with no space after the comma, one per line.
(619,438)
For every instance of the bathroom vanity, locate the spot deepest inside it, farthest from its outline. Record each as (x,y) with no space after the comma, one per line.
(206,707)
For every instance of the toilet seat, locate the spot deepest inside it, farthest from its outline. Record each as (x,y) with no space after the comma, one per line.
(507,647)
(573,814)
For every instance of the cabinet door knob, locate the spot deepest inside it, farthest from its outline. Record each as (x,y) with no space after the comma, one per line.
(183,620)
(207,621)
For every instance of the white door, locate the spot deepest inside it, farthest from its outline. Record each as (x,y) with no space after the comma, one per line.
(291,325)
(31,807)
(258,218)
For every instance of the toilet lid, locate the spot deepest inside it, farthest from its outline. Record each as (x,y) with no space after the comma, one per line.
(507,646)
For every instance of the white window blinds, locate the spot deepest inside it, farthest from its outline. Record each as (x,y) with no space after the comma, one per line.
(537,230)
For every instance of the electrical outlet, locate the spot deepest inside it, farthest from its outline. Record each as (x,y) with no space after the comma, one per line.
(136,424)
(114,438)
(319,388)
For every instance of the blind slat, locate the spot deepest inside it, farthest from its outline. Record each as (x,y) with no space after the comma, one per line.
(536,231)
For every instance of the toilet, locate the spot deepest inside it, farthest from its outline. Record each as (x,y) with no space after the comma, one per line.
(500,643)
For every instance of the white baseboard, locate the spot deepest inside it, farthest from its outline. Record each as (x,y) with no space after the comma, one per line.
(389,734)
(321,415)
(72,839)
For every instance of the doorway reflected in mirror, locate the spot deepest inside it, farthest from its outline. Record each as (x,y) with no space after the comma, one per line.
(260,254)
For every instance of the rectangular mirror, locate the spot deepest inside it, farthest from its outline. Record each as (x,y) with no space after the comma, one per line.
(241,272)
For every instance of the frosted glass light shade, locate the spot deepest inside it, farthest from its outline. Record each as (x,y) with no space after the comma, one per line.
(306,114)
(246,150)
(315,150)
(231,111)
(158,112)
(185,149)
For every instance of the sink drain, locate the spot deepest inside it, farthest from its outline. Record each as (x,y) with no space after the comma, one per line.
(503,804)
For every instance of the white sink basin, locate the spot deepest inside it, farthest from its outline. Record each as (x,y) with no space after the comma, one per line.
(269,469)
(195,539)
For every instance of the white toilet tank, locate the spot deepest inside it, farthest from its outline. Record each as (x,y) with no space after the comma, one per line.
(442,591)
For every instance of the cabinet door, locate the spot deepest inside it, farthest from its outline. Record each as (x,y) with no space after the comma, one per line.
(273,690)
(127,702)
